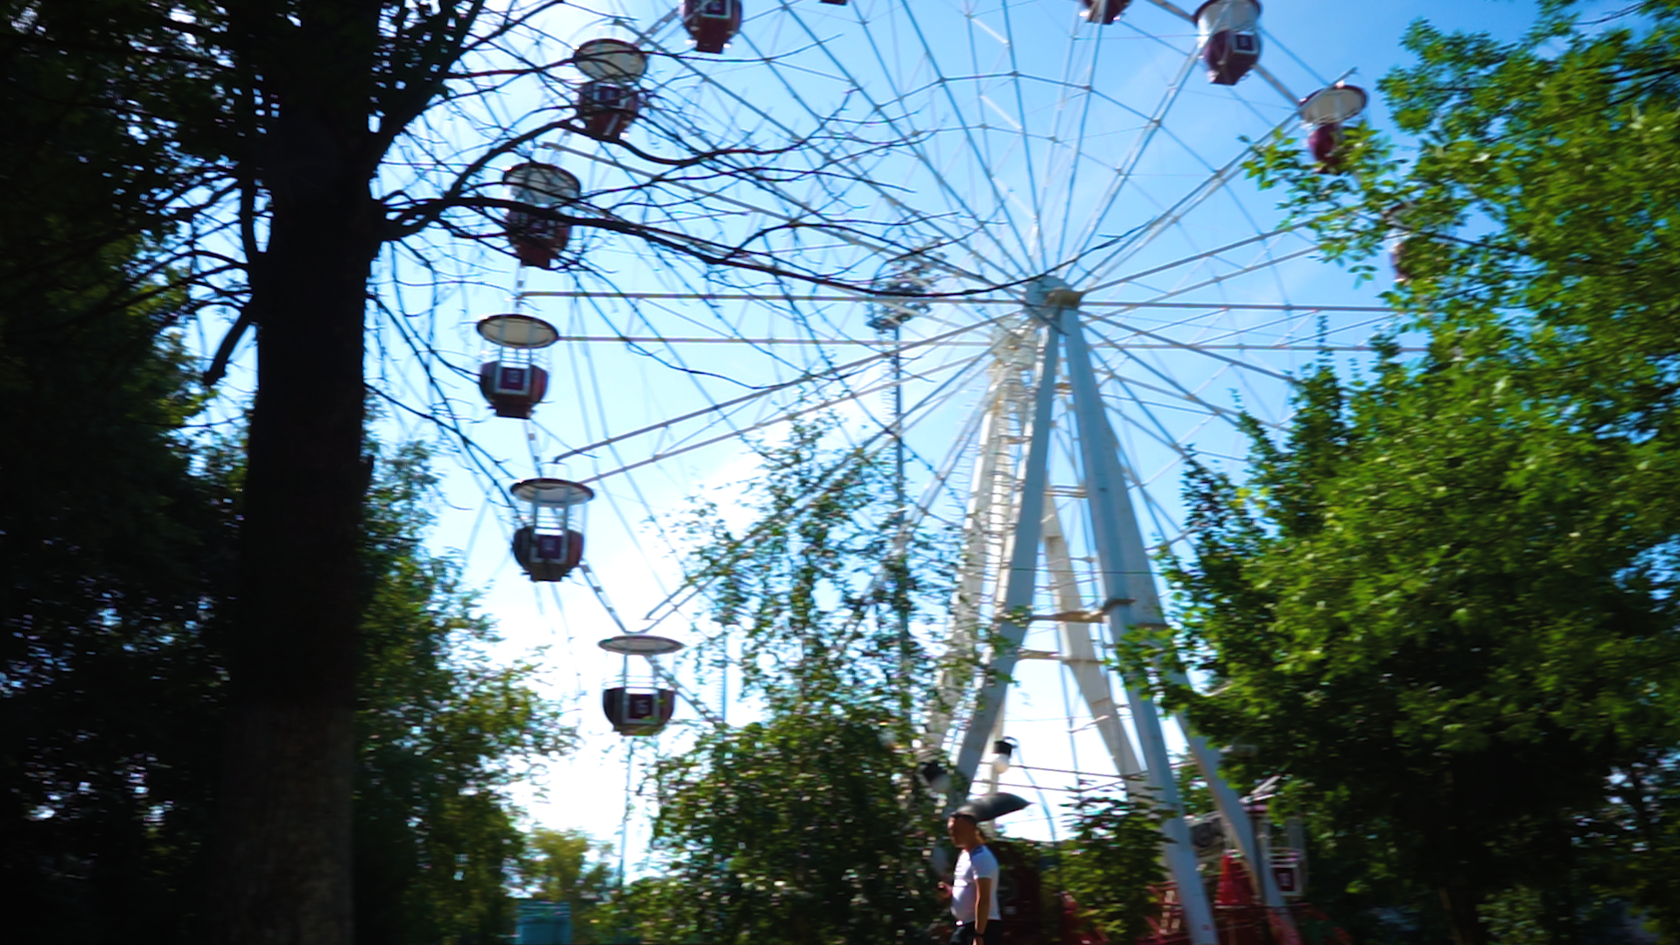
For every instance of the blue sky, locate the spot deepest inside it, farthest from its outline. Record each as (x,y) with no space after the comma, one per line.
(993,173)
(588,791)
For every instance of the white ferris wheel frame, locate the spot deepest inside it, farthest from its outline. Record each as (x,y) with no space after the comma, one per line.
(1011,434)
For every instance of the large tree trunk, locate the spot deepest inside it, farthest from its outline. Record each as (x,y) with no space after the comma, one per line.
(1463,918)
(283,870)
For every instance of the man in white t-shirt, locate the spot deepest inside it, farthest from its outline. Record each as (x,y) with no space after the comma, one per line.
(974,887)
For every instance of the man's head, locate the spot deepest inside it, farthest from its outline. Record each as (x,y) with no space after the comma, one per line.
(964,830)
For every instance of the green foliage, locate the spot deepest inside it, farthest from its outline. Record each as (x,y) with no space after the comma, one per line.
(1110,862)
(558,867)
(1446,606)
(114,558)
(808,826)
(444,732)
(802,829)
(112,708)
(809,584)
(1542,199)
(1430,599)
(653,909)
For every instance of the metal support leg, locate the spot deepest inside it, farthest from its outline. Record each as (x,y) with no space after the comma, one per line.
(974,564)
(1145,610)
(1080,656)
(1123,582)
(1021,582)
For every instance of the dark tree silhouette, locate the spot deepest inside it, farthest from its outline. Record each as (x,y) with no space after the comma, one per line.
(271,150)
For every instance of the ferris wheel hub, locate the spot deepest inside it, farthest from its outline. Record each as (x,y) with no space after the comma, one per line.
(1049,295)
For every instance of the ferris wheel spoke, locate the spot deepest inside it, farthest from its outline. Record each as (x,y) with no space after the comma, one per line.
(1172,388)
(785,417)
(1155,428)
(720,416)
(672,603)
(614,504)
(911,136)
(1000,199)
(905,212)
(1122,173)
(1143,236)
(1025,141)
(1075,154)
(1276,85)
(1194,258)
(924,508)
(1113,320)
(1215,342)
(848,367)
(852,237)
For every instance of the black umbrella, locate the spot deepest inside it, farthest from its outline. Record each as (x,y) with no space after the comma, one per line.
(993,806)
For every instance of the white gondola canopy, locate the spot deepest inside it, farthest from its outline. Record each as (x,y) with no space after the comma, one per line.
(1332,106)
(542,185)
(1326,110)
(640,644)
(610,60)
(517,331)
(552,493)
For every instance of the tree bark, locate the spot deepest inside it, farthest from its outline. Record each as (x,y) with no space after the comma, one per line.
(1463,918)
(282,858)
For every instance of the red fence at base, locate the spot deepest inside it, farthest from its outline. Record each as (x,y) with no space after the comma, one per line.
(1240,917)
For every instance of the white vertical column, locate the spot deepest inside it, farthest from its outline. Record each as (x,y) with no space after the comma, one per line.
(1124,580)
(974,564)
(1079,655)
(1141,606)
(1020,581)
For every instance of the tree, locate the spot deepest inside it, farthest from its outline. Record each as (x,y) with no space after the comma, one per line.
(296,139)
(114,557)
(1407,635)
(808,826)
(1110,862)
(558,868)
(442,732)
(1444,606)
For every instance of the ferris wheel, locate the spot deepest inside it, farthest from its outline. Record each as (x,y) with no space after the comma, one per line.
(1037,276)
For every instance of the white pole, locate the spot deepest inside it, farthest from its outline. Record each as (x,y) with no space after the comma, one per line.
(1124,580)
(973,565)
(1079,653)
(1021,580)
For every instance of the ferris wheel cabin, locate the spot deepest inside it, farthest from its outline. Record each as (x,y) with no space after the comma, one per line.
(610,100)
(1104,11)
(1327,110)
(536,237)
(509,374)
(638,705)
(607,109)
(711,23)
(1230,36)
(551,546)
(638,710)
